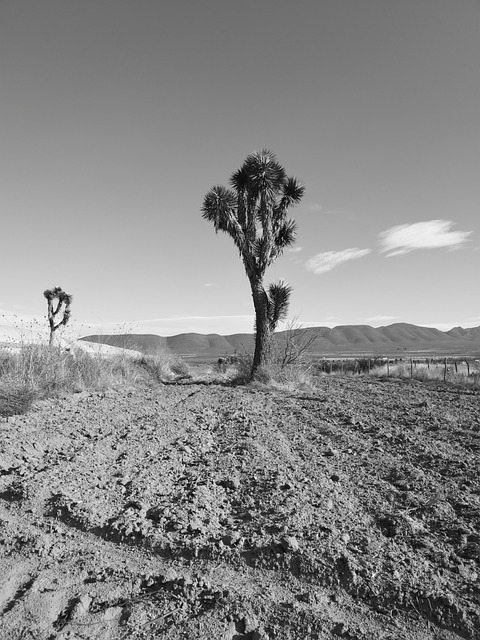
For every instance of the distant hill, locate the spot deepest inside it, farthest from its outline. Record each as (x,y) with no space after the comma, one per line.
(342,340)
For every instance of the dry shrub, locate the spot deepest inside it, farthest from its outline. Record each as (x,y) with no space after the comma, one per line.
(164,365)
(433,372)
(100,371)
(239,370)
(293,347)
(15,399)
(290,377)
(45,371)
(294,378)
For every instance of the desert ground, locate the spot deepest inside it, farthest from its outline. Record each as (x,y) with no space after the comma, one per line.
(202,510)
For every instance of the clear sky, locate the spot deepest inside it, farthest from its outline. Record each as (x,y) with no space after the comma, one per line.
(117,117)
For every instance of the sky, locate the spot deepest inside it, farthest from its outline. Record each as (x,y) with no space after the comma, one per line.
(117,117)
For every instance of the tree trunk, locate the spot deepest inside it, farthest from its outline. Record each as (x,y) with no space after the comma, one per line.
(263,333)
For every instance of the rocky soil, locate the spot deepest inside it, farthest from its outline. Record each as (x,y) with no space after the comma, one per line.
(213,512)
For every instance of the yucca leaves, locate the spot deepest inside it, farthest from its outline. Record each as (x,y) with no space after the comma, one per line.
(265,175)
(293,191)
(278,295)
(254,211)
(239,180)
(219,206)
(285,234)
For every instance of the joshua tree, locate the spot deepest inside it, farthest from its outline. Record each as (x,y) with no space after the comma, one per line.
(63,301)
(254,213)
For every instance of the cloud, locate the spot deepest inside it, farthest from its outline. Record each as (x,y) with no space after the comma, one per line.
(329,321)
(209,284)
(295,250)
(323,262)
(432,234)
(373,320)
(315,207)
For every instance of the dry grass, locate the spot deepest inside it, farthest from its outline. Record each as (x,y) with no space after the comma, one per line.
(278,375)
(37,371)
(305,375)
(15,399)
(164,365)
(460,374)
(34,371)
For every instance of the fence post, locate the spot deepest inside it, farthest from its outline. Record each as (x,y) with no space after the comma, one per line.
(411,368)
(445,370)
(456,368)
(468,367)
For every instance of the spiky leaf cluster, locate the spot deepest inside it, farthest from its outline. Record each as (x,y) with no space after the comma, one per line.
(278,298)
(254,210)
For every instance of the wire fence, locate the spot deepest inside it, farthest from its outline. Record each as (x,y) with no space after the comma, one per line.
(447,368)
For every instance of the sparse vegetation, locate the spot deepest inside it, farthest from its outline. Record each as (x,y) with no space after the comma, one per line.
(15,399)
(164,365)
(333,449)
(294,346)
(306,371)
(458,371)
(38,371)
(254,213)
(35,370)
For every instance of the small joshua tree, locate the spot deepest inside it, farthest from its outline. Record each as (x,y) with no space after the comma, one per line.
(58,302)
(254,213)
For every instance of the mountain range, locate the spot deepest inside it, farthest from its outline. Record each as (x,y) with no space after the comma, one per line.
(342,340)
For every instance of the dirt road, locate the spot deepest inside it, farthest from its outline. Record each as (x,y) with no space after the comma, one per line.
(197,511)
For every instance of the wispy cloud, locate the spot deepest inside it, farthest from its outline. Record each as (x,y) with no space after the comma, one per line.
(323,262)
(329,321)
(209,284)
(295,250)
(432,234)
(446,326)
(376,320)
(315,207)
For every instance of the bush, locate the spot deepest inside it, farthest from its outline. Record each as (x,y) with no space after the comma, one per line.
(35,370)
(238,368)
(15,399)
(164,365)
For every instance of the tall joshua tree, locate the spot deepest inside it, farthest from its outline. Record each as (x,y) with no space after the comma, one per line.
(254,213)
(58,302)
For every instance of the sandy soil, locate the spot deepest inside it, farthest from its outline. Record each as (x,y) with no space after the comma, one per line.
(211,512)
